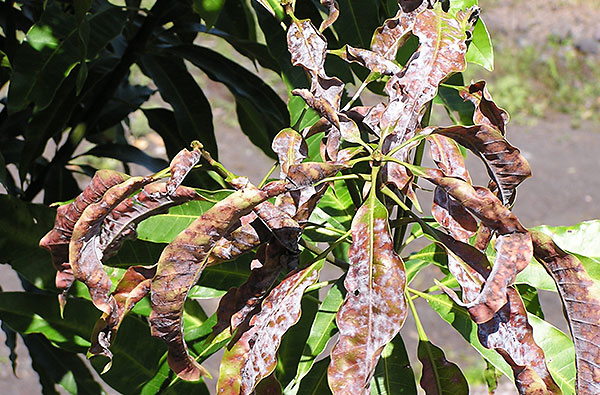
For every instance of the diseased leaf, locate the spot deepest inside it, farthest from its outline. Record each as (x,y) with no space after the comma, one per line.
(580,296)
(486,111)
(371,60)
(57,240)
(394,32)
(374,309)
(253,356)
(291,149)
(506,166)
(182,262)
(334,12)
(439,375)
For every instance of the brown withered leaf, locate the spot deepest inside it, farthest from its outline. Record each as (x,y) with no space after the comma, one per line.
(452,216)
(291,149)
(306,173)
(334,12)
(447,157)
(57,240)
(307,47)
(182,262)
(254,355)
(505,164)
(486,111)
(580,295)
(511,335)
(182,164)
(513,245)
(374,309)
(395,31)
(85,253)
(371,60)
(133,286)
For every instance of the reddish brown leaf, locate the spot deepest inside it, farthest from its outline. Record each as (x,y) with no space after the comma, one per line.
(447,156)
(581,297)
(394,32)
(57,240)
(306,173)
(291,149)
(506,166)
(182,262)
(182,164)
(307,47)
(439,376)
(85,253)
(334,11)
(254,355)
(486,111)
(374,309)
(371,60)
(452,216)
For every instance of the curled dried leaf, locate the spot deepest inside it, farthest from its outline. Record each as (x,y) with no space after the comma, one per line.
(505,164)
(580,295)
(371,60)
(334,12)
(308,173)
(182,164)
(57,240)
(486,111)
(374,309)
(395,31)
(291,149)
(254,355)
(181,264)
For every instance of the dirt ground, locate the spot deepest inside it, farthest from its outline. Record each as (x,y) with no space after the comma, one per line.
(564,189)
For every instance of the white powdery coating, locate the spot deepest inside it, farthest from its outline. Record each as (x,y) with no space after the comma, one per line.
(280,310)
(374,309)
(307,46)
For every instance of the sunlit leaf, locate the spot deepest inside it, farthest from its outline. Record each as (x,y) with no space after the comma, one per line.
(394,374)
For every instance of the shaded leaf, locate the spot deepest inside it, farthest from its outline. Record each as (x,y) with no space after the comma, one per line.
(580,297)
(253,356)
(374,309)
(439,376)
(127,153)
(315,382)
(394,374)
(208,10)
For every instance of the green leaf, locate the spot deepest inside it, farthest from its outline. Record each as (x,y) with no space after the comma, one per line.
(322,330)
(439,376)
(128,154)
(208,10)
(580,240)
(61,367)
(480,50)
(531,300)
(432,254)
(315,382)
(260,110)
(180,90)
(393,374)
(51,50)
(163,228)
(357,21)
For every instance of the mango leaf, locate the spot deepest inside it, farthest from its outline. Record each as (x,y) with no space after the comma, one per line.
(57,240)
(182,262)
(315,382)
(128,154)
(253,356)
(531,299)
(394,374)
(357,21)
(178,88)
(260,110)
(291,149)
(52,50)
(432,254)
(505,164)
(322,330)
(374,309)
(439,376)
(333,14)
(480,50)
(486,111)
(579,294)
(394,32)
(63,368)
(208,10)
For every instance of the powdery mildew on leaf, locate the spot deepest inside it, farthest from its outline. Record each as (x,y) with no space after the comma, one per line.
(58,239)
(291,149)
(254,355)
(374,309)
(334,12)
(486,111)
(581,297)
(181,165)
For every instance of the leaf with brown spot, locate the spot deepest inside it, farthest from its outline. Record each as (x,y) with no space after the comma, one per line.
(334,12)
(374,309)
(57,240)
(505,164)
(181,165)
(254,355)
(308,173)
(291,149)
(580,295)
(439,376)
(447,157)
(181,264)
(394,32)
(307,47)
(486,111)
(371,60)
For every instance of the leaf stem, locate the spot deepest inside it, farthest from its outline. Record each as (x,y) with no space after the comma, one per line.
(420,329)
(323,254)
(345,177)
(266,177)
